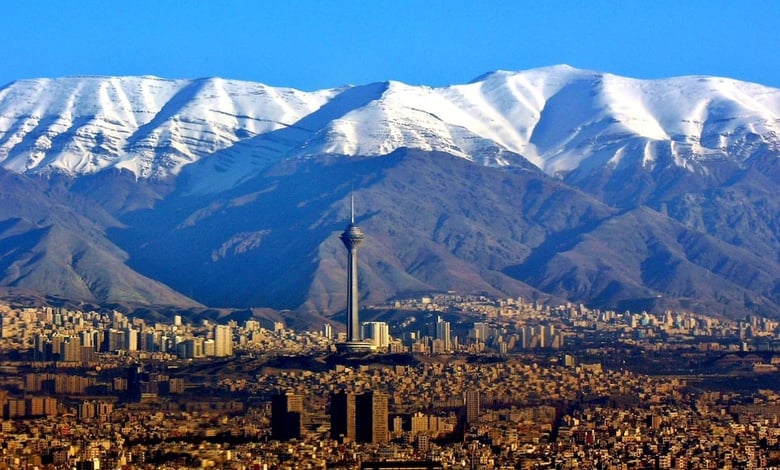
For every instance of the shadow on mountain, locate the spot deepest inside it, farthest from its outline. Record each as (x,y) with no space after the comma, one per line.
(228,167)
(255,245)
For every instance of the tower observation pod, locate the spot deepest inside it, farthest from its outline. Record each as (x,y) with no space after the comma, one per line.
(352,237)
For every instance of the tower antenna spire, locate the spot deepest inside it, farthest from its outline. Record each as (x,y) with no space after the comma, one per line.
(352,204)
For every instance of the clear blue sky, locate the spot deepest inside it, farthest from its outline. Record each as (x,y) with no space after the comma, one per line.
(318,44)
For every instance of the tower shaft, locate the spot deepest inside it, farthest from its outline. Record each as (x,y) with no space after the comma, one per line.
(352,237)
(353,322)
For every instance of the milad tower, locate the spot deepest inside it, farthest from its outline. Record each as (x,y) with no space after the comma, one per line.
(352,237)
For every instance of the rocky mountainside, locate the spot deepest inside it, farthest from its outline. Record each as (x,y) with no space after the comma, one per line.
(553,182)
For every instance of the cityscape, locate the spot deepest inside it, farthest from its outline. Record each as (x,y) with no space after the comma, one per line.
(438,381)
(361,235)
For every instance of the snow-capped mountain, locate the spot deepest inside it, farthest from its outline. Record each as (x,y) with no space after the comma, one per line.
(554,182)
(148,125)
(559,118)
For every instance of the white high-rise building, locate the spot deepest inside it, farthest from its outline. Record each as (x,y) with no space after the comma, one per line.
(87,339)
(480,332)
(208,348)
(131,339)
(377,333)
(443,334)
(223,341)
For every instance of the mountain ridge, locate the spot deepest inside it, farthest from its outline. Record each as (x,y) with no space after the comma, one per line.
(547,183)
(528,112)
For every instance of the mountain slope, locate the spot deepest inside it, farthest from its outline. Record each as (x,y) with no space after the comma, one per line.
(642,259)
(434,222)
(46,245)
(558,182)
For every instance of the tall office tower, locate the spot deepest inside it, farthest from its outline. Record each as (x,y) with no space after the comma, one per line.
(352,237)
(134,378)
(544,336)
(360,418)
(113,340)
(71,350)
(371,425)
(87,339)
(286,417)
(377,333)
(342,416)
(327,331)
(472,405)
(131,339)
(528,336)
(481,332)
(39,347)
(54,351)
(223,341)
(443,333)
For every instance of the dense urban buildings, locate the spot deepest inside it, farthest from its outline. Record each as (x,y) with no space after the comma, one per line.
(468,382)
(614,390)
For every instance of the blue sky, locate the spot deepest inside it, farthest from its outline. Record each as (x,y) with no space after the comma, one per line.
(319,44)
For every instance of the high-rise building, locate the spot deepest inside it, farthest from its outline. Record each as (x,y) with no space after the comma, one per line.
(360,418)
(526,335)
(342,416)
(377,333)
(286,416)
(55,352)
(191,348)
(443,334)
(134,375)
(480,332)
(352,237)
(223,341)
(87,338)
(86,410)
(131,339)
(472,405)
(71,349)
(113,340)
(371,425)
(209,349)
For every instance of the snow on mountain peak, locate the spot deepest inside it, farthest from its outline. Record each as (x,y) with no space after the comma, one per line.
(149,125)
(560,118)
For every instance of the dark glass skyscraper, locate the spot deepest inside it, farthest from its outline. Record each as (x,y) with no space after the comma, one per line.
(286,416)
(361,418)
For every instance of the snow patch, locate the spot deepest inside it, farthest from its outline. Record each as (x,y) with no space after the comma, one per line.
(225,131)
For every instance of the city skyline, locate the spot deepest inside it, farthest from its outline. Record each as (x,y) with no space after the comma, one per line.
(284,399)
